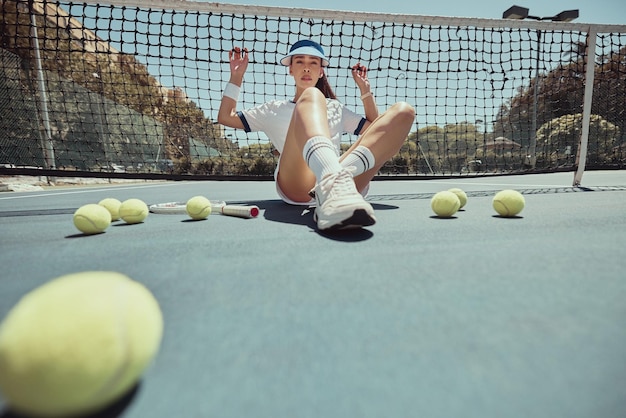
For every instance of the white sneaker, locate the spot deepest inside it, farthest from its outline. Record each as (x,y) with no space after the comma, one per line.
(340,205)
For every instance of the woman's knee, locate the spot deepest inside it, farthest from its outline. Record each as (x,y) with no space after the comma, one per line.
(403,112)
(311,94)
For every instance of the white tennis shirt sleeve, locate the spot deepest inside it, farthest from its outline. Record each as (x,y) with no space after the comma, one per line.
(273,119)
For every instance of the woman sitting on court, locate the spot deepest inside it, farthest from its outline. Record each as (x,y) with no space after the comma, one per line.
(307,131)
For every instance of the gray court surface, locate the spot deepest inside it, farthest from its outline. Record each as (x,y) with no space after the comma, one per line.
(416,316)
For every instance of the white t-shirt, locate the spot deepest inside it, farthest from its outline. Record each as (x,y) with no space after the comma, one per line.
(273,118)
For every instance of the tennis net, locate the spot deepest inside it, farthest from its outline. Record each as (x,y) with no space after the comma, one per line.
(132,88)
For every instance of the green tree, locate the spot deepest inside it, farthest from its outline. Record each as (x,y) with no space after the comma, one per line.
(558,140)
(561,93)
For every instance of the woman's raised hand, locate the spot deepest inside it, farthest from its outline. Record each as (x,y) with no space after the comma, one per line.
(359,73)
(238,58)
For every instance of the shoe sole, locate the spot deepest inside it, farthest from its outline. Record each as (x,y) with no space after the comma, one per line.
(359,219)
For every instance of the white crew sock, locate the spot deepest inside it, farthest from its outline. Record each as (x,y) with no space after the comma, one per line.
(361,158)
(321,157)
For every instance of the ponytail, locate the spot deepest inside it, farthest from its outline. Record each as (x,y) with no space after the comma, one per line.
(325,88)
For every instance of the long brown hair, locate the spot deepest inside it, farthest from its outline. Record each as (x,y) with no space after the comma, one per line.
(325,88)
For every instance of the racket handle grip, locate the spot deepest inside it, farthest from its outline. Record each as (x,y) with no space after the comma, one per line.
(240,211)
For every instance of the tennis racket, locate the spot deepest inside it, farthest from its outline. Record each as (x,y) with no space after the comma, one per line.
(218,207)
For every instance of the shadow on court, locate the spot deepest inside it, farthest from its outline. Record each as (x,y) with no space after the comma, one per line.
(278,211)
(114,410)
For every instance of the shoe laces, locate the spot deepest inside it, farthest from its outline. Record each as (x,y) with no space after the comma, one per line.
(341,183)
(350,169)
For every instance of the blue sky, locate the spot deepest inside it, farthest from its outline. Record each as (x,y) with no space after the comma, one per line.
(596,11)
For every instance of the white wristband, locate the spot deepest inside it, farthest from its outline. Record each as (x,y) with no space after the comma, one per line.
(232,91)
(366,95)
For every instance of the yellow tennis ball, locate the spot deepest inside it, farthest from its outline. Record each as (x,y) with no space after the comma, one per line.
(133,211)
(113,206)
(198,207)
(508,203)
(78,343)
(92,219)
(445,204)
(461,195)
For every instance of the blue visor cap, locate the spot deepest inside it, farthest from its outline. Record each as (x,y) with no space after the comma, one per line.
(305,47)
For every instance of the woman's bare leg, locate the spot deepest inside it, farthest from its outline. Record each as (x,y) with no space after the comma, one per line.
(309,120)
(384,138)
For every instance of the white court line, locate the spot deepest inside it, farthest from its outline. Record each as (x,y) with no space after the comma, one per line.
(492,184)
(86,190)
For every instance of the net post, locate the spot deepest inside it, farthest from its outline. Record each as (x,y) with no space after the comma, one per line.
(532,149)
(48,147)
(581,156)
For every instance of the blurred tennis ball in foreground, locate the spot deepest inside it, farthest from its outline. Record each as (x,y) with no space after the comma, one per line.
(508,203)
(113,206)
(92,219)
(445,204)
(77,344)
(198,207)
(133,211)
(461,195)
